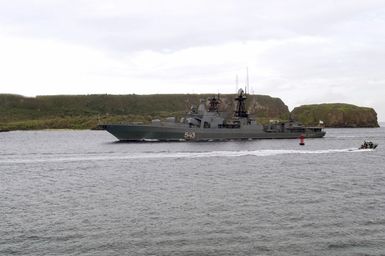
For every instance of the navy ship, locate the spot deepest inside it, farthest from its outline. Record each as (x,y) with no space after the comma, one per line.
(210,124)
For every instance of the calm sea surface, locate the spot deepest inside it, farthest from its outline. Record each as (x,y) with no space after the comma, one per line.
(81,193)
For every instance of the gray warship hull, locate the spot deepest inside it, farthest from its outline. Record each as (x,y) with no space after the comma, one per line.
(210,124)
(133,132)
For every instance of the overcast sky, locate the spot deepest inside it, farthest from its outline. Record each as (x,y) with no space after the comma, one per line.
(303,51)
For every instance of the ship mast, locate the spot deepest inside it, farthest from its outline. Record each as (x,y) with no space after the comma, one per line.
(241,105)
(214,103)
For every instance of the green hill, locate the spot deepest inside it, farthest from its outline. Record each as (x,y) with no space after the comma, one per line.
(86,111)
(336,115)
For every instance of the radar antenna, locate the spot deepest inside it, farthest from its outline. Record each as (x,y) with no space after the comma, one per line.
(241,104)
(214,103)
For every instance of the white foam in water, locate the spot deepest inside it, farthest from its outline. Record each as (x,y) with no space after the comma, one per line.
(265,152)
(260,153)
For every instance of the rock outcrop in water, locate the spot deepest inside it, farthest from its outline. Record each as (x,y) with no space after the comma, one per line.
(336,115)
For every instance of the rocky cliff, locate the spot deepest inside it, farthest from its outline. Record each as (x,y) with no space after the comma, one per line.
(336,115)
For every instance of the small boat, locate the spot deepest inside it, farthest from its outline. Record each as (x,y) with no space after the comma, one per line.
(368,145)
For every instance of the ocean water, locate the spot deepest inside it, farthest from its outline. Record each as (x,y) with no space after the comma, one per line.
(82,193)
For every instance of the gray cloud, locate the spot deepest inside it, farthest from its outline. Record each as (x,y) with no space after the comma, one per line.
(138,25)
(327,50)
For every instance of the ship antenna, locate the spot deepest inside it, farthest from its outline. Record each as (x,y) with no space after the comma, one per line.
(236,82)
(247,80)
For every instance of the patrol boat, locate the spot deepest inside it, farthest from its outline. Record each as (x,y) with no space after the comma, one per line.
(210,124)
(368,145)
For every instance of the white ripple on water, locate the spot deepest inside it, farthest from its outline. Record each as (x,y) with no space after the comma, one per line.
(154,155)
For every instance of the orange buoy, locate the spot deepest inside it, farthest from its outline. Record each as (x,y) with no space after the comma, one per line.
(302,140)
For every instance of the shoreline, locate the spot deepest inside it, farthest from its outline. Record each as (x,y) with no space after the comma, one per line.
(92,129)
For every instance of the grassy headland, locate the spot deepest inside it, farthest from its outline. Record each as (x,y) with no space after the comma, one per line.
(87,111)
(336,115)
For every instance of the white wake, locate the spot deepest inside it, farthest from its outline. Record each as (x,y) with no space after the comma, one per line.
(177,155)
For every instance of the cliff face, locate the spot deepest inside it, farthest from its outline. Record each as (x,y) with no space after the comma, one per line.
(336,115)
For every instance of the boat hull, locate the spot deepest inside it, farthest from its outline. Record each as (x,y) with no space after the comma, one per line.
(131,132)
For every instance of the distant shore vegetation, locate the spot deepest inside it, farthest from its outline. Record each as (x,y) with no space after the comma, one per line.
(88,111)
